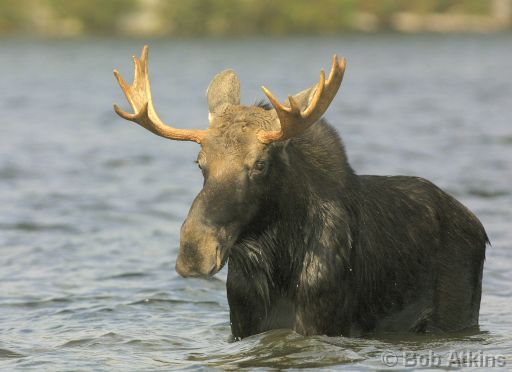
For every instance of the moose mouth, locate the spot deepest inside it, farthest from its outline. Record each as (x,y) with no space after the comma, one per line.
(223,251)
(220,260)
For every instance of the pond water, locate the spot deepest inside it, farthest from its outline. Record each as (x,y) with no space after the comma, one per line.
(91,206)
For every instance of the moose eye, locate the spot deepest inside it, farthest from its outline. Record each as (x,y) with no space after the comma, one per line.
(260,166)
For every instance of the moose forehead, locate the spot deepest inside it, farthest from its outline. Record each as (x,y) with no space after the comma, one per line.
(233,131)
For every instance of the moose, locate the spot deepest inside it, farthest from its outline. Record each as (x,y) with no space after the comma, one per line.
(311,245)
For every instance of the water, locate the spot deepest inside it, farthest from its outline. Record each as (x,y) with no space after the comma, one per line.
(92,206)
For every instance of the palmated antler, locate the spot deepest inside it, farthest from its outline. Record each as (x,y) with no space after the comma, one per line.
(139,97)
(294,121)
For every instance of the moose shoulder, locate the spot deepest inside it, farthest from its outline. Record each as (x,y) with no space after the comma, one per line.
(312,246)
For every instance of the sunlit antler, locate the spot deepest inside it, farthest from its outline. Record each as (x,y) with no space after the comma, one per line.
(294,121)
(139,97)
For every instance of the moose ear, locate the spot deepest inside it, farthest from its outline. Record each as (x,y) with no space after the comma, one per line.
(224,90)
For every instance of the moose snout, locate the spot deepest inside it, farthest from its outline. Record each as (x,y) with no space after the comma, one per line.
(197,261)
(201,253)
(205,239)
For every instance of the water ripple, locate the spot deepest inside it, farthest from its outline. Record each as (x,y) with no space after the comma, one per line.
(7,354)
(37,227)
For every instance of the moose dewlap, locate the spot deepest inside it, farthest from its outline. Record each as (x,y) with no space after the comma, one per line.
(313,246)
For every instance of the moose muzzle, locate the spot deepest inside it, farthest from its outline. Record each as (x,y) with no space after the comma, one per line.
(202,251)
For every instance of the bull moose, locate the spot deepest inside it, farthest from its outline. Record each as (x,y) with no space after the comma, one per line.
(312,246)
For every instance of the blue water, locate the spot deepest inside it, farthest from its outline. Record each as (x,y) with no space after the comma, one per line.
(91,205)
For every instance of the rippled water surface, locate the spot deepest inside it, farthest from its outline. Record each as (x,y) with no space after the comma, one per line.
(91,206)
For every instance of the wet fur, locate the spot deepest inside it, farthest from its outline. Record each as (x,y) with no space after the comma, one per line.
(331,252)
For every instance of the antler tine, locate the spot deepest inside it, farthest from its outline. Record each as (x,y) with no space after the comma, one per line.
(318,94)
(139,96)
(293,121)
(274,101)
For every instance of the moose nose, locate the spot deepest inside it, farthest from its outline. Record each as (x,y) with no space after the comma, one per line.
(186,270)
(183,269)
(195,269)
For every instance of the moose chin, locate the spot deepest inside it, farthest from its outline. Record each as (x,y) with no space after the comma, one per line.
(311,245)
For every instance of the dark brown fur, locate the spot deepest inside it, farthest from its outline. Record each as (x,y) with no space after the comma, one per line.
(326,251)
(314,247)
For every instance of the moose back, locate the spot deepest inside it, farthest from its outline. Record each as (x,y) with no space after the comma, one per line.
(313,246)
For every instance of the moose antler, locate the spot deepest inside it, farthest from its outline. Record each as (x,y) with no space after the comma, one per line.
(294,121)
(139,96)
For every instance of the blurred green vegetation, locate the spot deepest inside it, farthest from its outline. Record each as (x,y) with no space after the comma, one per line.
(224,17)
(63,18)
(97,16)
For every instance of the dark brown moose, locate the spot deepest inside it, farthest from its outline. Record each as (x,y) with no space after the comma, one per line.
(313,246)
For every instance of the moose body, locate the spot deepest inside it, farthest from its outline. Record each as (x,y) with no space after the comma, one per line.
(337,253)
(313,246)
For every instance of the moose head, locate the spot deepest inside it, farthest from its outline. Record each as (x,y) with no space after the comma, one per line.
(237,156)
